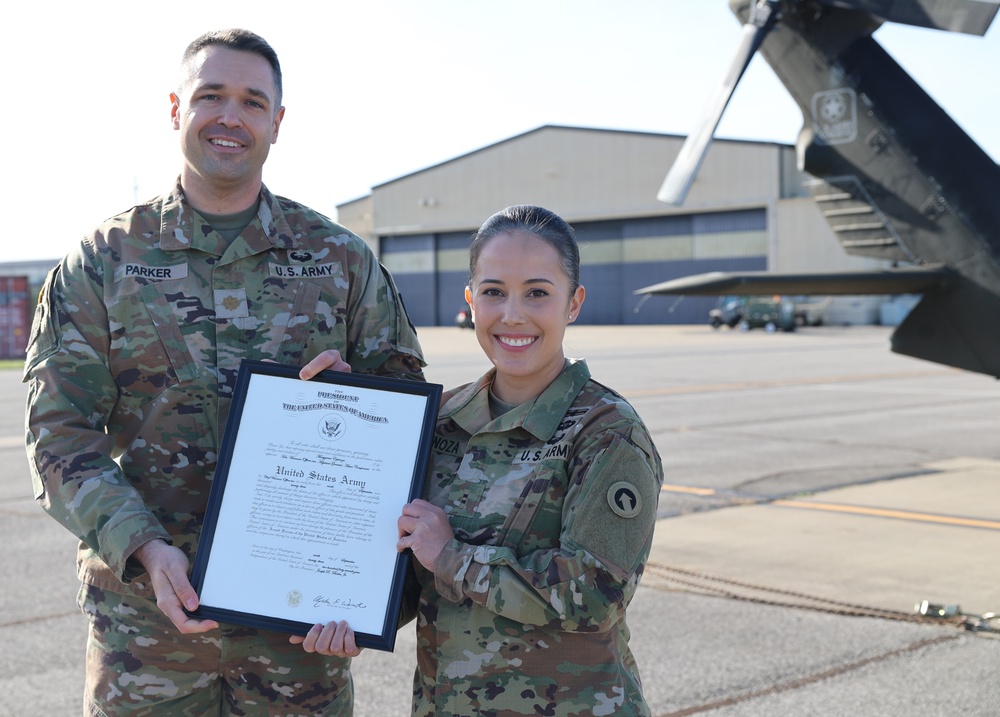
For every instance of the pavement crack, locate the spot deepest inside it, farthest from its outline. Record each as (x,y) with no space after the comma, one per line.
(812,679)
(37,618)
(807,481)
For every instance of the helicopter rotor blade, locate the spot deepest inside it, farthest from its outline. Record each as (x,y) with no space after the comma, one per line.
(682,174)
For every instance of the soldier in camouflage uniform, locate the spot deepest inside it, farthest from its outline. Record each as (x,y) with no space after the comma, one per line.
(540,504)
(135,348)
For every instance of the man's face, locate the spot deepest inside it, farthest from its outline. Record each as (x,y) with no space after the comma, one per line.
(227,117)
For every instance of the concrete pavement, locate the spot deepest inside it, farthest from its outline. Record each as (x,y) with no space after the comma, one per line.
(814,468)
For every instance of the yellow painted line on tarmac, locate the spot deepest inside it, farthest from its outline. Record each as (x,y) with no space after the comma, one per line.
(896,514)
(688,489)
(805,381)
(854,509)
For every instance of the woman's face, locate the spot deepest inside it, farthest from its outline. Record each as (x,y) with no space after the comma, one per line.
(521,304)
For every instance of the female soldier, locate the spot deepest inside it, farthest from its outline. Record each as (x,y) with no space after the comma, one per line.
(539,503)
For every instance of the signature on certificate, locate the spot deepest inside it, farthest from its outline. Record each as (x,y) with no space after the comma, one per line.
(343,603)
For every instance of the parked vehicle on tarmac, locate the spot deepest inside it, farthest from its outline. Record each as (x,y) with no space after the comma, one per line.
(727,311)
(754,312)
(768,314)
(810,311)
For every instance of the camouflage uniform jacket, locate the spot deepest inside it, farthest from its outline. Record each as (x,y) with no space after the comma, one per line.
(135,348)
(553,506)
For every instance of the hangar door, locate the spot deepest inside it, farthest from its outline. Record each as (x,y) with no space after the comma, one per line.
(617,257)
(410,259)
(621,256)
(430,271)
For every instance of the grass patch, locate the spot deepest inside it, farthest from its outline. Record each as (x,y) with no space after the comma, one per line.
(11,364)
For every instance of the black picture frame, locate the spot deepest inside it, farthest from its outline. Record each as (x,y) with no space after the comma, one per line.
(242,505)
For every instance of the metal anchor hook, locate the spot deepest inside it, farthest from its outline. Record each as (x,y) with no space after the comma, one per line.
(987,622)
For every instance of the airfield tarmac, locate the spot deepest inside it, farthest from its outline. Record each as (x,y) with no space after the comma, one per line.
(818,486)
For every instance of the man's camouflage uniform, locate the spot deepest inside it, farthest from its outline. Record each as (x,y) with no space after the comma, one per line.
(553,505)
(135,348)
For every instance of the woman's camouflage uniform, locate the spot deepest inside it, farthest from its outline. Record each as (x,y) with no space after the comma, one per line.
(553,506)
(135,348)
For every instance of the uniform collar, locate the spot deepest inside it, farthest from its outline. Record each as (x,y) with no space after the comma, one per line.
(180,227)
(470,406)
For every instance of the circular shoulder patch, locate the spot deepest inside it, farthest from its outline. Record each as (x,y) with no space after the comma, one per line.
(624,499)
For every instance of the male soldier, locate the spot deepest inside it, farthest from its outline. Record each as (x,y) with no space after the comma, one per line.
(134,353)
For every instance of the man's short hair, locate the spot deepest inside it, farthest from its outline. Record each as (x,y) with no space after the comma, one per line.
(234,39)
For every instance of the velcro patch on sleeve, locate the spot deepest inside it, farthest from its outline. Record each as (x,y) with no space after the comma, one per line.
(616,511)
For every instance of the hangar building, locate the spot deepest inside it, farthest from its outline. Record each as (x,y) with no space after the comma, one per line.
(749,209)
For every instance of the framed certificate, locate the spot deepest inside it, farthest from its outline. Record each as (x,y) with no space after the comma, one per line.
(301,520)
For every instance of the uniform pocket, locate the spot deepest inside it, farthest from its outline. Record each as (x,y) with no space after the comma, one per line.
(405,333)
(616,510)
(535,519)
(43,340)
(300,322)
(148,351)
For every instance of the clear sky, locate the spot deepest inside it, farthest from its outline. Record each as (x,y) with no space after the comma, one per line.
(376,89)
